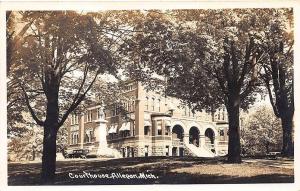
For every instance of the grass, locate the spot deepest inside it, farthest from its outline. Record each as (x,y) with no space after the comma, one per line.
(171,170)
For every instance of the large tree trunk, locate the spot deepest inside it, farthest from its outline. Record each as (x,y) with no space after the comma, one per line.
(50,133)
(287,136)
(234,146)
(49,155)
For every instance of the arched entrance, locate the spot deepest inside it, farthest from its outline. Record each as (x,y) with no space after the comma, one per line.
(210,139)
(209,136)
(194,136)
(177,132)
(177,140)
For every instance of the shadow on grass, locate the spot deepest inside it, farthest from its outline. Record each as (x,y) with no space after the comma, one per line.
(29,174)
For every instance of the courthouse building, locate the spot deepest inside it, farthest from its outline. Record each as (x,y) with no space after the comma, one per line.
(154,125)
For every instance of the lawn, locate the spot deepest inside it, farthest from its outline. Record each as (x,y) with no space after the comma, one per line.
(156,170)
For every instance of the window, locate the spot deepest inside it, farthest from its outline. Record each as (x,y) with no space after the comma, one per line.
(72,139)
(129,106)
(146,150)
(117,110)
(158,105)
(167,150)
(153,104)
(75,138)
(98,113)
(74,119)
(159,124)
(133,105)
(125,133)
(88,136)
(147,103)
(167,130)
(89,115)
(113,111)
(222,134)
(133,128)
(126,106)
(146,130)
(185,111)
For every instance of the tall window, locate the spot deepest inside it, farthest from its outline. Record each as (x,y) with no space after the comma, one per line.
(74,119)
(153,104)
(146,130)
(222,134)
(147,103)
(167,150)
(133,128)
(159,124)
(133,105)
(98,113)
(167,130)
(158,105)
(117,110)
(89,115)
(75,138)
(89,136)
(113,111)
(129,105)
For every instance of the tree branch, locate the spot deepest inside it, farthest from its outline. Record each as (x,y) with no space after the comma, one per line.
(77,102)
(38,121)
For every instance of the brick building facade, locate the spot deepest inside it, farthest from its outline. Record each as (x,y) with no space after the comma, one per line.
(154,125)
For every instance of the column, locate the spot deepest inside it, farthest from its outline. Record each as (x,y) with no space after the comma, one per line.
(186,138)
(202,140)
(163,129)
(139,111)
(81,131)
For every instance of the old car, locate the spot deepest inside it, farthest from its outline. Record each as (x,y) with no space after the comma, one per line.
(78,153)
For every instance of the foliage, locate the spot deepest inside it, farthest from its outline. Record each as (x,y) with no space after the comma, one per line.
(262,132)
(278,72)
(54,69)
(27,145)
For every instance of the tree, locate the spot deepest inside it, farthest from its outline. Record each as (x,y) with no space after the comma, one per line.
(14,39)
(261,132)
(278,72)
(211,46)
(62,55)
(26,145)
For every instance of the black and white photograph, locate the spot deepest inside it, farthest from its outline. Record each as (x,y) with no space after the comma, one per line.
(143,96)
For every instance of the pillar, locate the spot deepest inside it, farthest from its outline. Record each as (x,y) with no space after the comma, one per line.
(81,131)
(202,140)
(186,138)
(139,111)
